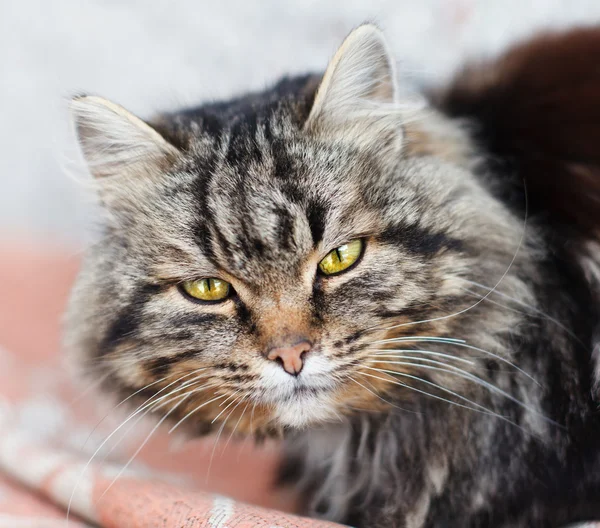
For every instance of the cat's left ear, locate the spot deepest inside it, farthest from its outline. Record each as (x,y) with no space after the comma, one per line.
(115,142)
(358,96)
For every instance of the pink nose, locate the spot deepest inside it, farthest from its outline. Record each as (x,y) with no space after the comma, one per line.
(290,357)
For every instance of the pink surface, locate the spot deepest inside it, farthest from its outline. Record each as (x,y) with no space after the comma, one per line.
(49,432)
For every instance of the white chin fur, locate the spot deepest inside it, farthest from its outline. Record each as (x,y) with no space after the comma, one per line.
(305,410)
(300,408)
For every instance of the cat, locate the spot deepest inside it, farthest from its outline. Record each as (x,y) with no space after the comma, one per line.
(404,289)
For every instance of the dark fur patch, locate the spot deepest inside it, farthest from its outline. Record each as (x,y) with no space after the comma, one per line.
(420,241)
(317,216)
(297,92)
(126,324)
(538,113)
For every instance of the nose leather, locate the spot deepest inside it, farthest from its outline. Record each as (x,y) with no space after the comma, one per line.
(290,357)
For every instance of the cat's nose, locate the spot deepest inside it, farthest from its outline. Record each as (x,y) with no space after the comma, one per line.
(290,357)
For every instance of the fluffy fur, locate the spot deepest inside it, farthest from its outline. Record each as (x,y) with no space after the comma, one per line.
(451,380)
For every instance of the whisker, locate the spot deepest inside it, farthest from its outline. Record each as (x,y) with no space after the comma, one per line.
(247,437)
(236,424)
(212,456)
(472,378)
(480,408)
(193,411)
(158,405)
(423,338)
(117,406)
(88,389)
(400,353)
(147,439)
(537,311)
(471,347)
(133,414)
(229,405)
(379,396)
(510,265)
(252,417)
(151,407)
(451,369)
(491,301)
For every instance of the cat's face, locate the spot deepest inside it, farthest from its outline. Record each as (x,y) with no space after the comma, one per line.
(249,277)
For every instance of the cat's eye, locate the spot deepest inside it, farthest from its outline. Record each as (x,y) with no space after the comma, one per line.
(207,290)
(341,258)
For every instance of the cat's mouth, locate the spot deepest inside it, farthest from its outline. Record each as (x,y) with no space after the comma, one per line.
(278,389)
(301,400)
(315,376)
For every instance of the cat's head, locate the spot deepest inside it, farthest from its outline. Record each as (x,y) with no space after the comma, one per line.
(257,256)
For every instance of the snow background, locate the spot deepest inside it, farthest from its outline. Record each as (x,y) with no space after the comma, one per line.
(156,55)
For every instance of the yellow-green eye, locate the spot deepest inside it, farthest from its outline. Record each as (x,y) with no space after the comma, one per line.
(341,258)
(209,290)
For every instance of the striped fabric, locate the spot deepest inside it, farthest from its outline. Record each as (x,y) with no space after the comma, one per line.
(49,432)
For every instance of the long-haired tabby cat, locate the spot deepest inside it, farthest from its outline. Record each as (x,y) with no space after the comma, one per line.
(407,295)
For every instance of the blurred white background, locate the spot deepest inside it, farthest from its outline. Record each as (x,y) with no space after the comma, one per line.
(152,55)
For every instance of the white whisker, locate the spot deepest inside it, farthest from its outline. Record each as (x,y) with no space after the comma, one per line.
(460,312)
(166,400)
(378,396)
(471,347)
(480,408)
(193,411)
(422,338)
(395,352)
(229,405)
(117,406)
(212,456)
(537,311)
(88,389)
(252,417)
(451,369)
(143,406)
(146,440)
(491,301)
(237,423)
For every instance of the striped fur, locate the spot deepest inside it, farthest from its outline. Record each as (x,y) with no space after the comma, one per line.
(449,382)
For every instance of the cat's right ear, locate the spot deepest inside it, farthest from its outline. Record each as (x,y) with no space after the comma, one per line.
(357,99)
(114,142)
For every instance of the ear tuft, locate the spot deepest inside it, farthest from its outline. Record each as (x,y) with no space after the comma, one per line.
(114,141)
(359,82)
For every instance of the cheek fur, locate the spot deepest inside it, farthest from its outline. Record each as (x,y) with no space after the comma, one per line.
(207,369)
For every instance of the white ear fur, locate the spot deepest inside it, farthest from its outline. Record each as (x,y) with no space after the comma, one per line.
(359,86)
(114,141)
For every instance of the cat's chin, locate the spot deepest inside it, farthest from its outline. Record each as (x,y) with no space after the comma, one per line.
(308,409)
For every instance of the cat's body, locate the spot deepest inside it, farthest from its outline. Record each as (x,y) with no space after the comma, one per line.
(446,375)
